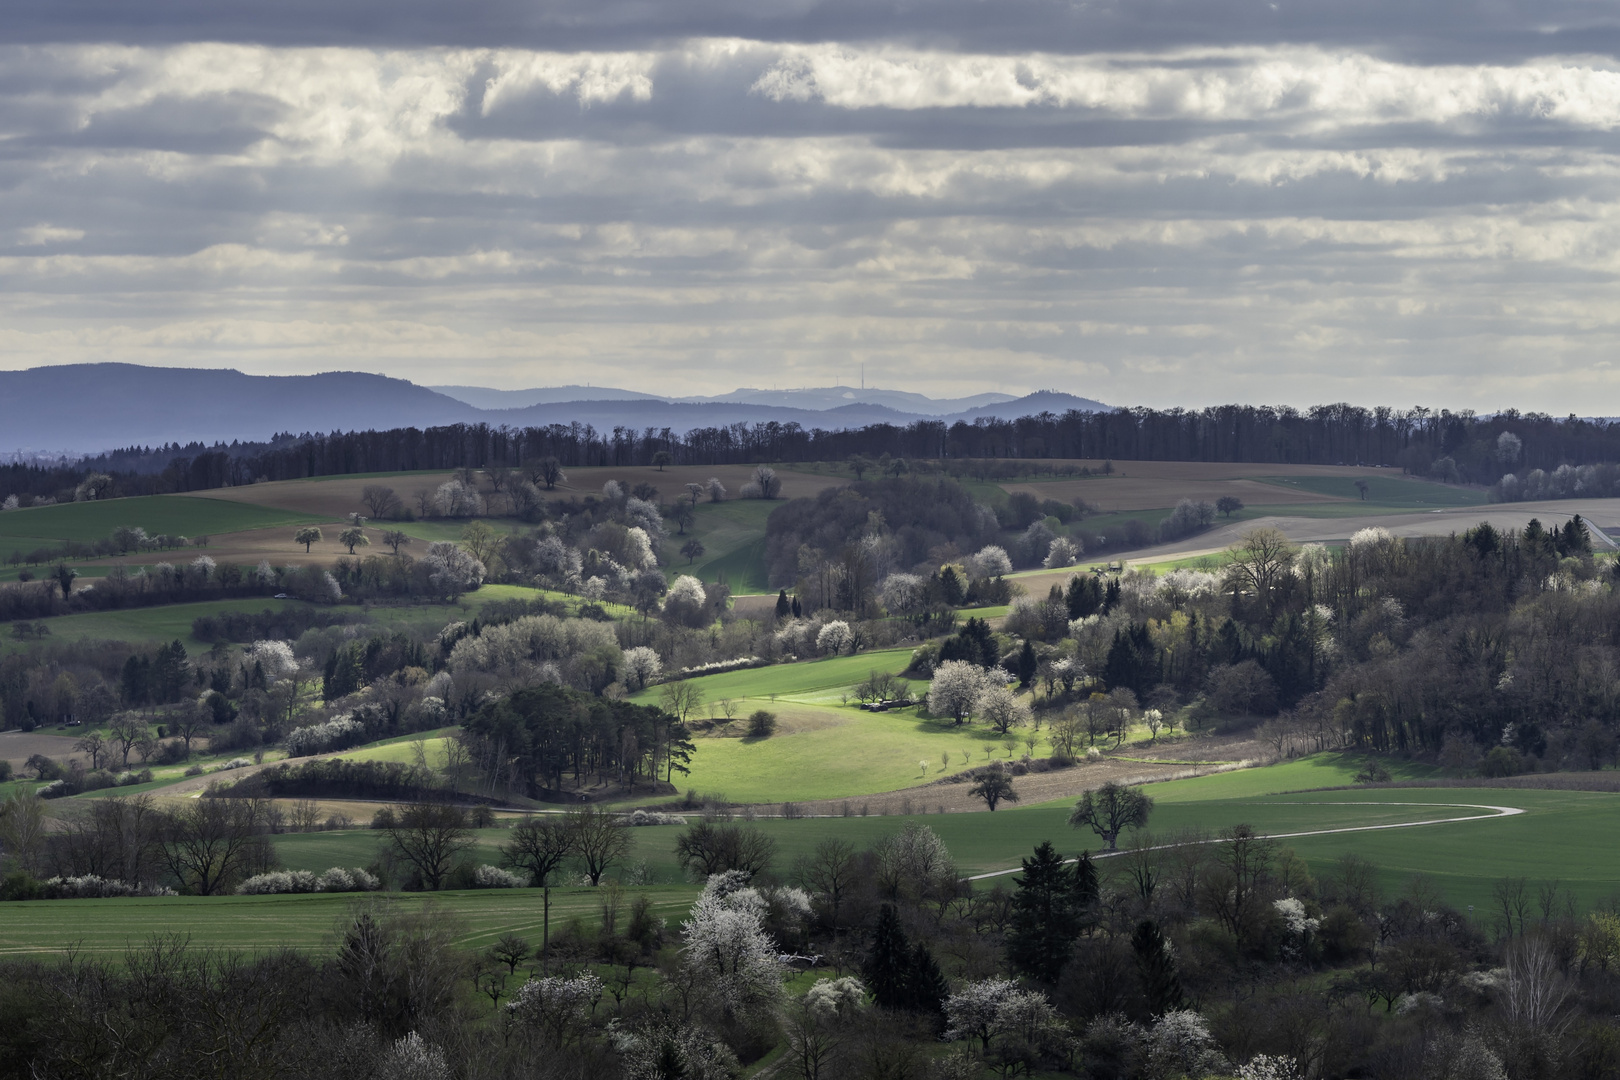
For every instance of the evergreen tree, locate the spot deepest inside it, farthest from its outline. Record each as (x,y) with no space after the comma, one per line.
(1026,663)
(1156,964)
(1111,596)
(1084,596)
(798,609)
(784,606)
(888,964)
(1049,911)
(926,986)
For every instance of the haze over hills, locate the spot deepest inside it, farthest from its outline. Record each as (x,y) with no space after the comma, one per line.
(814,398)
(89,408)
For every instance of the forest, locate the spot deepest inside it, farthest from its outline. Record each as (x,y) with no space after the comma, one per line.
(1454,446)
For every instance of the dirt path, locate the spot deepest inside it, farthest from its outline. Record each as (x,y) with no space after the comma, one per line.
(1496,812)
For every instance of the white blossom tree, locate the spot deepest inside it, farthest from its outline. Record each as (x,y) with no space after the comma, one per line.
(1003,710)
(727,950)
(956,688)
(992,561)
(834,638)
(642,666)
(1065,551)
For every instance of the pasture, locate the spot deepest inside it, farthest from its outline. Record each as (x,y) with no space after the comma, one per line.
(1562,836)
(174,515)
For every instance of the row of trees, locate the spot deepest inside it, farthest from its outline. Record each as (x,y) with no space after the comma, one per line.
(1453,445)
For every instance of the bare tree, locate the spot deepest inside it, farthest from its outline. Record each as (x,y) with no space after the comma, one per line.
(126,730)
(381,500)
(830,872)
(600,840)
(95,745)
(396,539)
(539,845)
(429,836)
(189,720)
(424,501)
(207,844)
(1110,810)
(1259,562)
(680,699)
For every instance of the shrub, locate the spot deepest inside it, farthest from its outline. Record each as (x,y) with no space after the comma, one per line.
(56,789)
(335,880)
(493,877)
(236,763)
(1373,773)
(95,887)
(762,724)
(195,770)
(5,770)
(652,817)
(278,881)
(339,879)
(339,733)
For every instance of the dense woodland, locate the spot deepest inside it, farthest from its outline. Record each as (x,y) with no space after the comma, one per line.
(1458,446)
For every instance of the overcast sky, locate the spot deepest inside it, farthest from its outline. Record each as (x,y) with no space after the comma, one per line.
(1148,202)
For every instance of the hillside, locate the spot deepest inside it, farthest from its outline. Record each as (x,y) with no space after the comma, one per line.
(88,408)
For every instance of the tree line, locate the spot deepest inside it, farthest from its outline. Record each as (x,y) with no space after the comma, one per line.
(1451,445)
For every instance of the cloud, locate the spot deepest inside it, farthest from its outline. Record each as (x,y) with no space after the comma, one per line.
(1161,217)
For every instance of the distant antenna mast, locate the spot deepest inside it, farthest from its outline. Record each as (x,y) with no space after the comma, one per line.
(863,376)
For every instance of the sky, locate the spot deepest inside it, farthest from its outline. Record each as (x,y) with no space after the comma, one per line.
(1147,202)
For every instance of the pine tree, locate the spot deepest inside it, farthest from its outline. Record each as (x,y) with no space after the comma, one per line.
(1049,911)
(784,606)
(925,982)
(1027,663)
(888,963)
(1156,965)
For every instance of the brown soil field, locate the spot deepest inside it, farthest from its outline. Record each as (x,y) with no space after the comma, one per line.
(338,496)
(17,747)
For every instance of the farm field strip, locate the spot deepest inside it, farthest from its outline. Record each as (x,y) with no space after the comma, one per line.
(1495,812)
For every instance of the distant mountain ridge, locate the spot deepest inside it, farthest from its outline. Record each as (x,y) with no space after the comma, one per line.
(90,408)
(818,399)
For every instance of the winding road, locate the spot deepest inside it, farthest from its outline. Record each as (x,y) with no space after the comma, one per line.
(1496,812)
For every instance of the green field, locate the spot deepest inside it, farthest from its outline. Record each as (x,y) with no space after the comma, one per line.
(733,538)
(1394,491)
(310,921)
(1561,836)
(153,624)
(170,514)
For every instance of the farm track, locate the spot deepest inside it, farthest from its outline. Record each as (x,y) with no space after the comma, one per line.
(1498,812)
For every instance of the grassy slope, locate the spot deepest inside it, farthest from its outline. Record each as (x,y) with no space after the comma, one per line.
(159,624)
(733,538)
(172,514)
(825,749)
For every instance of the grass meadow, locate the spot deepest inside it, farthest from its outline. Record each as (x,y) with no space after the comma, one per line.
(1563,836)
(171,514)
